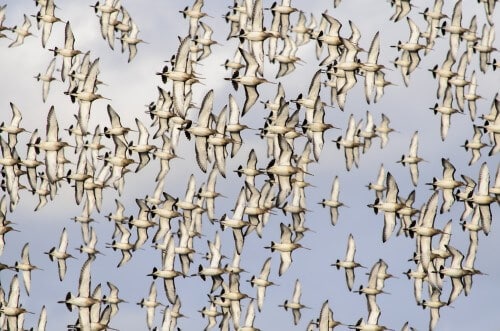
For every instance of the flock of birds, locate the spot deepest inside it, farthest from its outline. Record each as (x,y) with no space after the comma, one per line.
(273,183)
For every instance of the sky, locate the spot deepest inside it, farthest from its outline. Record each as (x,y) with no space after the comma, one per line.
(131,86)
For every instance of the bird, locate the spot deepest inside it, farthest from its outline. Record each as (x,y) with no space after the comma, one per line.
(108,8)
(471,37)
(180,74)
(262,282)
(455,272)
(250,80)
(302,31)
(68,52)
(130,39)
(114,24)
(87,95)
(433,17)
(406,213)
(194,13)
(444,72)
(211,313)
(233,294)
(351,144)
(402,8)
(90,246)
(3,9)
(42,319)
(51,146)
(255,34)
(256,208)
(325,320)
(495,189)
(21,32)
(60,254)
(123,245)
(83,299)
(286,246)
(294,304)
(440,254)
(482,198)
(205,40)
(79,177)
(412,46)
(166,213)
(234,127)
(469,262)
(236,222)
(209,193)
(4,229)
(117,129)
(349,65)
(12,309)
(447,184)
(278,100)
(475,145)
(143,148)
(313,104)
(171,314)
(371,67)
(185,249)
(13,129)
(202,130)
(9,160)
(333,202)
(446,110)
(331,38)
(249,318)
(412,159)
(471,96)
(214,271)
(165,154)
(315,129)
(380,84)
(390,206)
(374,288)
(117,163)
(406,65)
(348,263)
(459,81)
(47,78)
(142,223)
(425,230)
(379,185)
(150,303)
(281,14)
(455,28)
(31,162)
(383,131)
(47,18)
(167,271)
(282,169)
(251,171)
(434,304)
(26,267)
(370,325)
(492,128)
(85,219)
(287,58)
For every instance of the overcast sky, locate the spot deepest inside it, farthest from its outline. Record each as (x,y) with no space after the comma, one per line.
(130,86)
